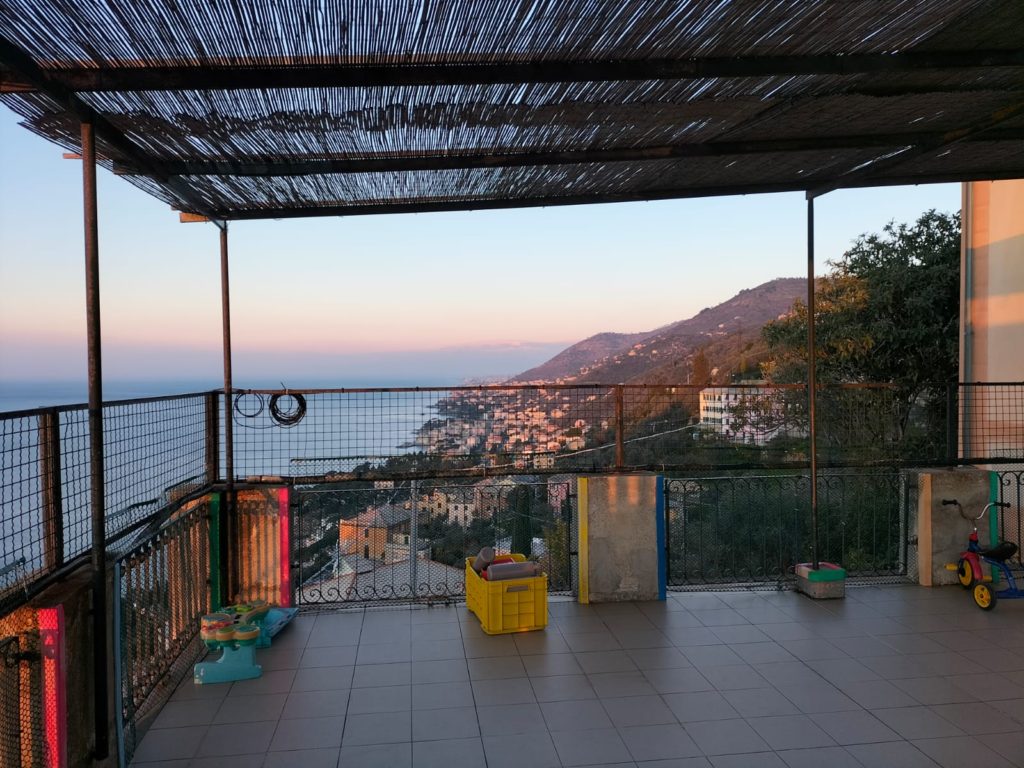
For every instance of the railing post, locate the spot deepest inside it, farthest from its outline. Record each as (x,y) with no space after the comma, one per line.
(620,442)
(212,441)
(812,384)
(229,509)
(53,504)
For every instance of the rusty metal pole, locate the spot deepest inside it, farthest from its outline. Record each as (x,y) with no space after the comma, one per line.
(101,713)
(228,537)
(812,383)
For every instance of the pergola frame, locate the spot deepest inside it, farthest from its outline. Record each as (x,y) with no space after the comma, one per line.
(961,62)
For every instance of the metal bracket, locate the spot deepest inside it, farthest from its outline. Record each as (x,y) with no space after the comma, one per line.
(12,656)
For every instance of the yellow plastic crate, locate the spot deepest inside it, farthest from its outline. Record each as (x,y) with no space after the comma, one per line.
(515,605)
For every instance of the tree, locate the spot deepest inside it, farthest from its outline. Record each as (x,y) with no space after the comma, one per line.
(888,312)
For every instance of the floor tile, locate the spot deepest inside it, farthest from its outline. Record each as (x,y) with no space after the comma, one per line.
(597,662)
(833,757)
(536,750)
(181,714)
(551,664)
(562,688)
(790,732)
(854,727)
(760,653)
(236,739)
(702,656)
(376,756)
(388,698)
(507,719)
(383,653)
(960,751)
(702,705)
(615,684)
(734,677)
(934,690)
(590,747)
(376,675)
(760,703)
(658,742)
(250,709)
(658,658)
(380,728)
(751,760)
(496,668)
(170,743)
(725,737)
(302,758)
(444,695)
(686,680)
(892,754)
(575,715)
(448,753)
(916,723)
(440,671)
(638,710)
(328,656)
(322,679)
(976,718)
(872,694)
(514,690)
(308,733)
(435,724)
(278,681)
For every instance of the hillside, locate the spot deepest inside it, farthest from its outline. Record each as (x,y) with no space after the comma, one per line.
(729,333)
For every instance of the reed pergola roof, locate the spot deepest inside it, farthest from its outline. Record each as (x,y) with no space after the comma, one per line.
(276,108)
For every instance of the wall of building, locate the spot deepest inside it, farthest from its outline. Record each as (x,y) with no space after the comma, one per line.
(992,281)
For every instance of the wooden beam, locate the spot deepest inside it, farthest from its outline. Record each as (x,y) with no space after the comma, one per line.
(291,73)
(440,161)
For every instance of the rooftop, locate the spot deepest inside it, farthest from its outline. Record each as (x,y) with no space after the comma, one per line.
(889,676)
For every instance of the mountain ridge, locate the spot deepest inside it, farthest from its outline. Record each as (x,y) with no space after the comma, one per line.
(729,333)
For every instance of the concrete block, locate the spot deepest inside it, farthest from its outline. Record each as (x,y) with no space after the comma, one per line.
(941,531)
(621,558)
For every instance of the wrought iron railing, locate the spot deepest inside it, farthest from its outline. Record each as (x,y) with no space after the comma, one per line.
(372,542)
(160,593)
(756,528)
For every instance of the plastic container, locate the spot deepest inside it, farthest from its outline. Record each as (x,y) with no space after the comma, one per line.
(516,605)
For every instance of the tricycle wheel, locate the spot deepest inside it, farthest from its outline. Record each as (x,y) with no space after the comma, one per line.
(984,596)
(965,574)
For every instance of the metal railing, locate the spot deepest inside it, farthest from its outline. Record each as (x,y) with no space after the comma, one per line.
(160,593)
(22,736)
(367,542)
(755,528)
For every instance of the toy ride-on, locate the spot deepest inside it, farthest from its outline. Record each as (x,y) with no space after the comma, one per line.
(969,568)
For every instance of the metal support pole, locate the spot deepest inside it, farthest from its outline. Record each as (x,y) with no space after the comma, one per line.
(228,535)
(812,383)
(101,714)
(50,476)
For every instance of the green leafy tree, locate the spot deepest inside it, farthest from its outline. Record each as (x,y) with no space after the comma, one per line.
(888,312)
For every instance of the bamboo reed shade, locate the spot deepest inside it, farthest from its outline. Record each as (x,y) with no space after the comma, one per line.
(273,108)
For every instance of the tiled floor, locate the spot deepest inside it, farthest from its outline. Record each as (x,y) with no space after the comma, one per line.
(889,677)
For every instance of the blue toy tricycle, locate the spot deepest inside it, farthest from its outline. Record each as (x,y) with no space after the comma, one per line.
(969,571)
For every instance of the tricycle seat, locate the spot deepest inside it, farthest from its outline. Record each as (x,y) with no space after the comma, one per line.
(1001,552)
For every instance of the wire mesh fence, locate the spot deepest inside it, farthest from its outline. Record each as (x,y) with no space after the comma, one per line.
(374,542)
(389,433)
(156,451)
(22,736)
(755,528)
(991,421)
(160,593)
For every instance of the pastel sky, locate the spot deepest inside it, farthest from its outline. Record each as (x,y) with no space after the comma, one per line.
(428,297)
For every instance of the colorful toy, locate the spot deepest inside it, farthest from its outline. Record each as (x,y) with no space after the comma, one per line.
(969,571)
(237,631)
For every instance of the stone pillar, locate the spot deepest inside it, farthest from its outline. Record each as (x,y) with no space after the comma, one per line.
(621,538)
(941,531)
